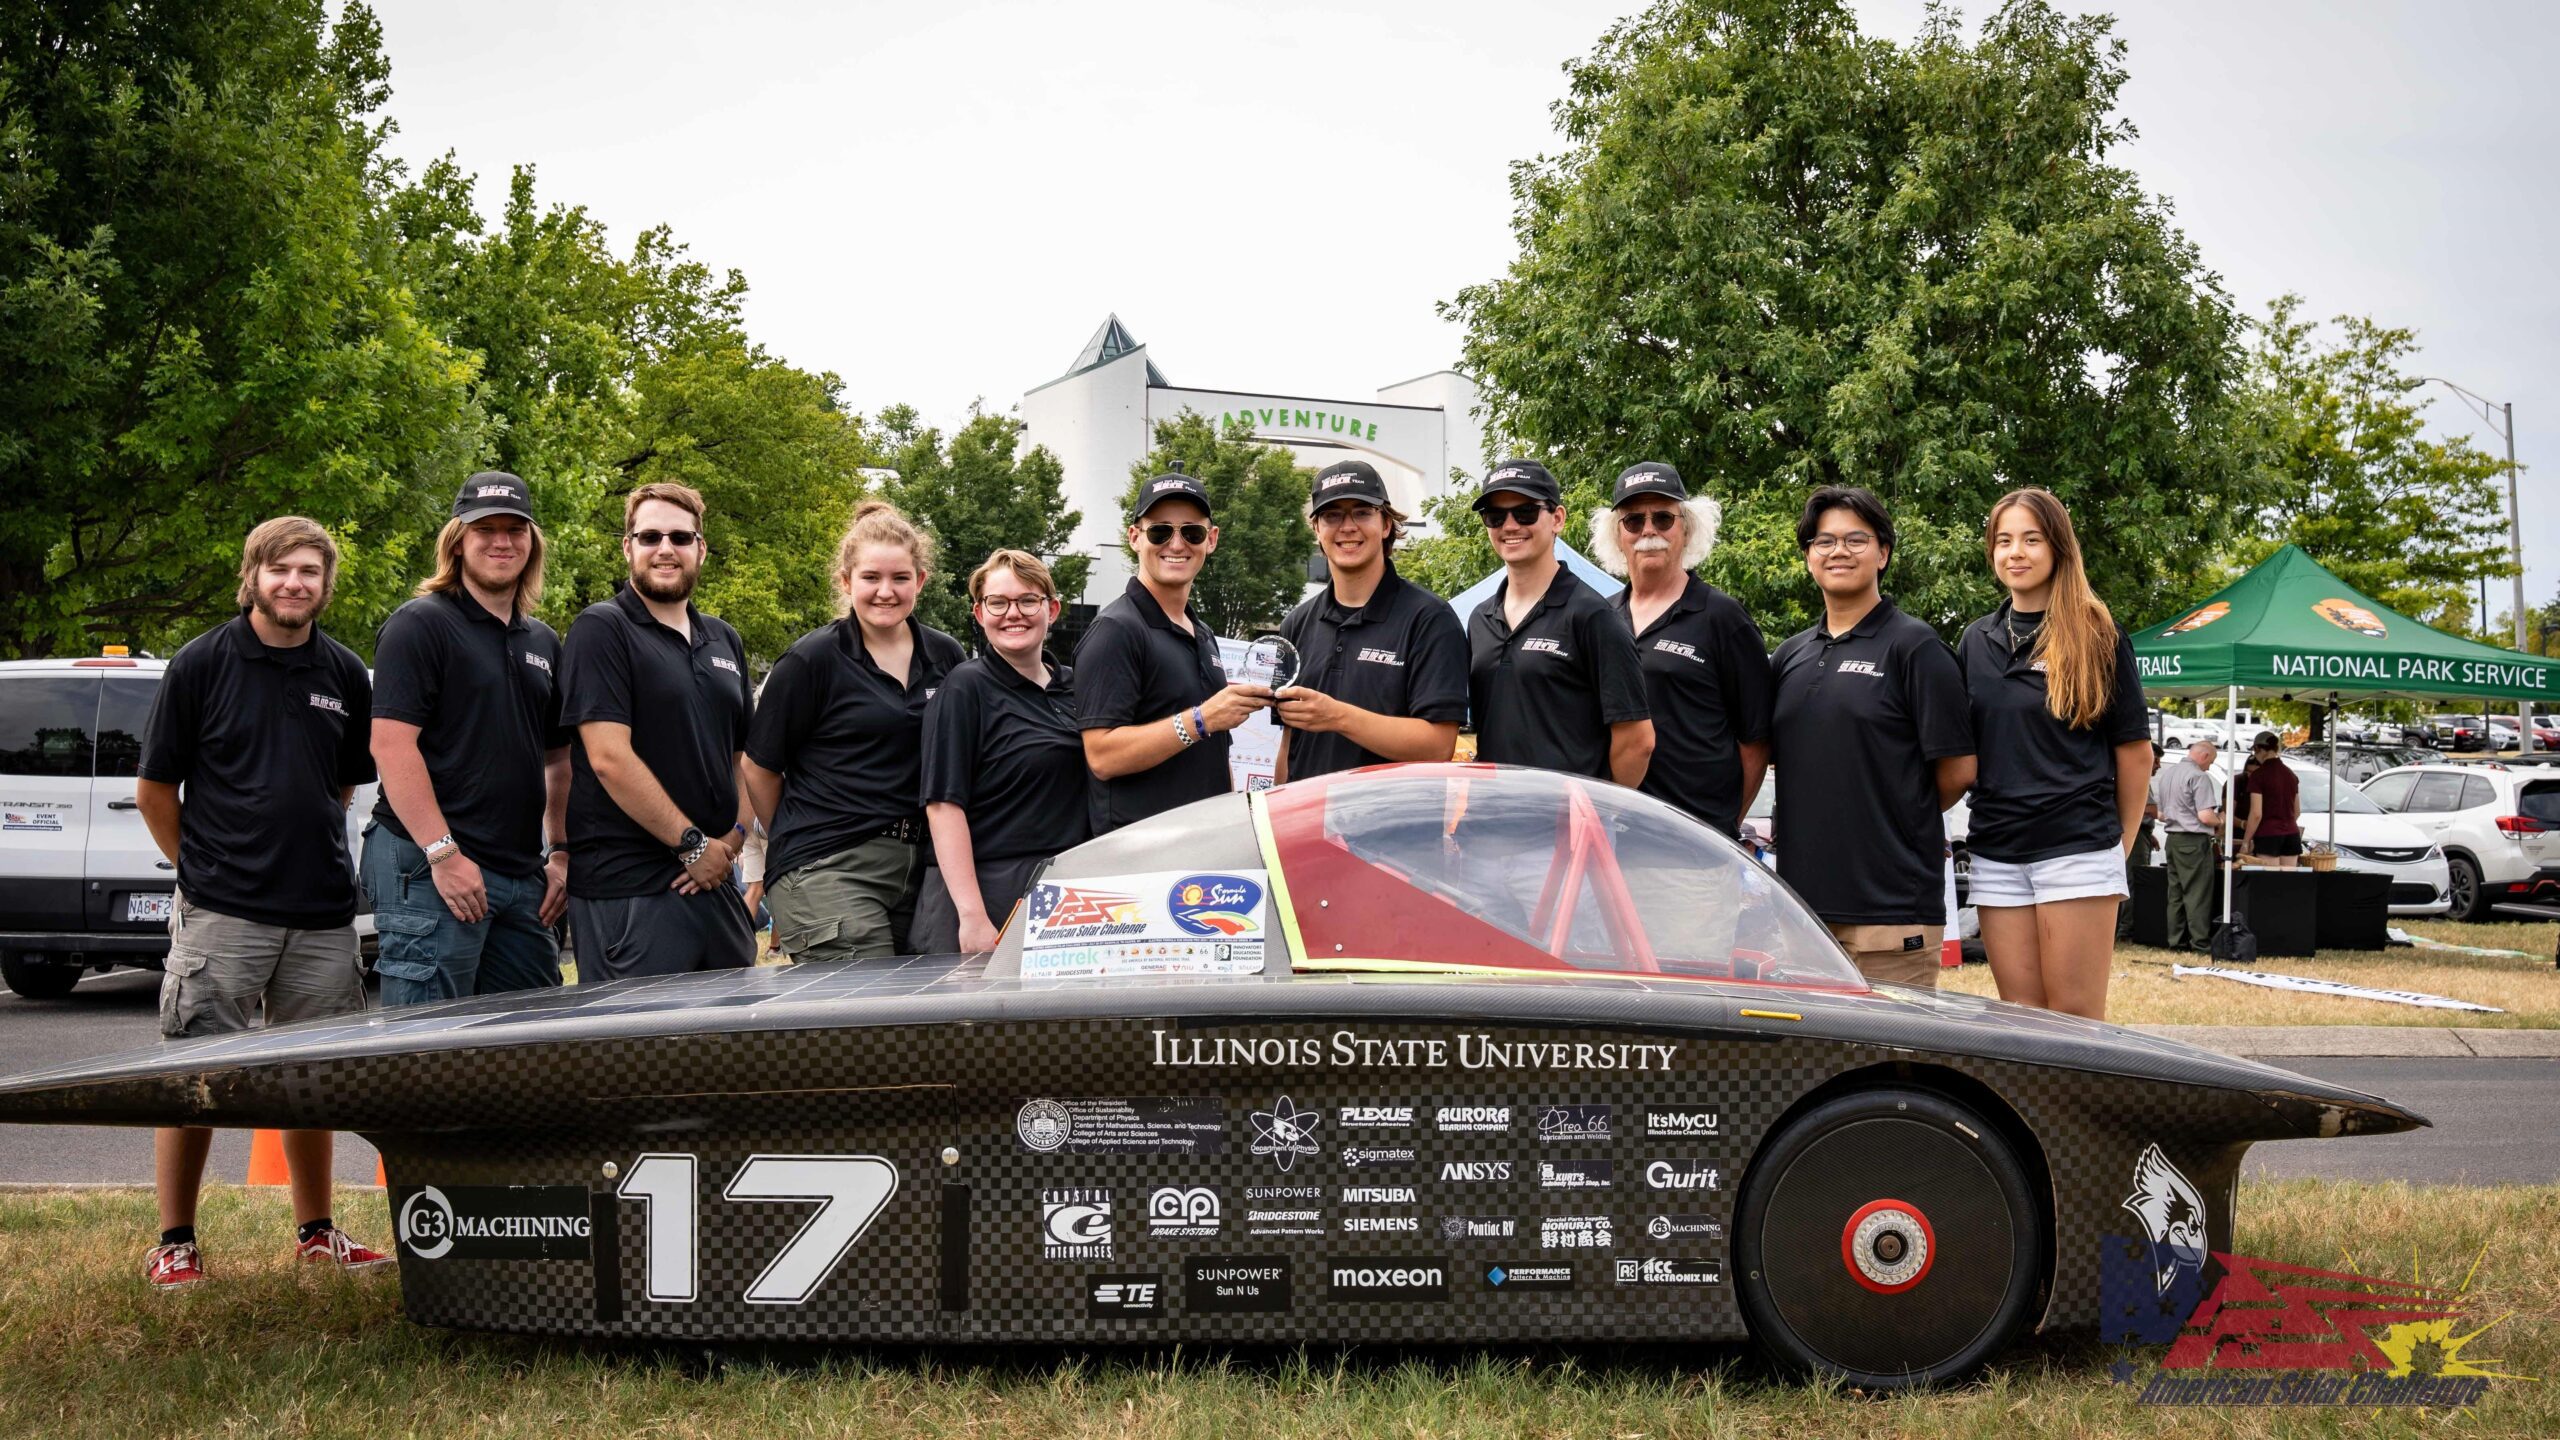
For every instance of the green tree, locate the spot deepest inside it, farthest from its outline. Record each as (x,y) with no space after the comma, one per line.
(1781,254)
(202,317)
(978,494)
(2412,521)
(1260,569)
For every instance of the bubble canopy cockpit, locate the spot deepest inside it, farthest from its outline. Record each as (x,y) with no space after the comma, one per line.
(1422,868)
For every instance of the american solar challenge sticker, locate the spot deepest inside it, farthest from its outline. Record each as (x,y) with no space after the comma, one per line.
(1163,922)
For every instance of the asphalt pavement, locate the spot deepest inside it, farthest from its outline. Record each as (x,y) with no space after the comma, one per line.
(2494,1117)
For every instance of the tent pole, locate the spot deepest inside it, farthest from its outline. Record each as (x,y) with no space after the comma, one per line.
(2333,770)
(2230,793)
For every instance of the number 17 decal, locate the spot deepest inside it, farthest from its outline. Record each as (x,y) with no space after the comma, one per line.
(850,1190)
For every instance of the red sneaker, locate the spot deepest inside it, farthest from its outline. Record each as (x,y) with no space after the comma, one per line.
(334,1246)
(173,1267)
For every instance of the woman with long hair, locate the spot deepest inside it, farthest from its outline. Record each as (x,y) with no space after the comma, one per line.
(2065,757)
(836,753)
(1004,773)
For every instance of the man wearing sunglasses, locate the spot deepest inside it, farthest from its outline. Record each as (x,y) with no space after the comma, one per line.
(1151,696)
(1706,672)
(657,694)
(1873,740)
(1384,672)
(1553,678)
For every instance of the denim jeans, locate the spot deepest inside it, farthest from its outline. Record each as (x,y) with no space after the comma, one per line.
(429,955)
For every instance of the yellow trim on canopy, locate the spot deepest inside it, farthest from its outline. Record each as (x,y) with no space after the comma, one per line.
(1271,871)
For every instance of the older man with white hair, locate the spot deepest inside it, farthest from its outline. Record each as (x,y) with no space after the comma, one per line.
(2190,802)
(1706,672)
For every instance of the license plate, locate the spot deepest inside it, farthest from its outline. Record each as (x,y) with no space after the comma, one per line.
(147,907)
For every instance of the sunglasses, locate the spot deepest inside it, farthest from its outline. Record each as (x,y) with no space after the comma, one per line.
(1494,515)
(681,539)
(1634,521)
(1192,534)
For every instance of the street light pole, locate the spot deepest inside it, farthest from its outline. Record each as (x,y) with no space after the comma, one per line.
(2504,417)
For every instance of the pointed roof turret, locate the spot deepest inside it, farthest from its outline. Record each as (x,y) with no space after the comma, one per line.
(1109,343)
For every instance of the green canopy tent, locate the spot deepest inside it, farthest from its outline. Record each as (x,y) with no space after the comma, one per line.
(2291,630)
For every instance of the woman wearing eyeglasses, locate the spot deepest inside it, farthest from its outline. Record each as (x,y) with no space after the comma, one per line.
(836,753)
(1706,673)
(1150,692)
(1004,776)
(2065,762)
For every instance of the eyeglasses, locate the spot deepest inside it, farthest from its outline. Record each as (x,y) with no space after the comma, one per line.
(1855,542)
(999,606)
(650,539)
(1635,521)
(1494,515)
(1193,534)
(1333,515)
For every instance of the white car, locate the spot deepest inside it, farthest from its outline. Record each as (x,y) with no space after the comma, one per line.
(2499,826)
(82,886)
(2371,841)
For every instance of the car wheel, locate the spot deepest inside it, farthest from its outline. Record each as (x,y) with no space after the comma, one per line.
(2464,888)
(1889,1237)
(30,974)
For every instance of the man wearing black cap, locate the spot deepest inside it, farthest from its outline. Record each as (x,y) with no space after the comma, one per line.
(1384,665)
(1151,697)
(1553,678)
(474,762)
(1706,673)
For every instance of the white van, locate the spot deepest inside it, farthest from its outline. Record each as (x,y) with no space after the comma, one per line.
(81,885)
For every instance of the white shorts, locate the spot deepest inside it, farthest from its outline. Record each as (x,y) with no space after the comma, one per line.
(2094,873)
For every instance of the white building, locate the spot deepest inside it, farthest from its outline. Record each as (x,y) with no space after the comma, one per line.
(1099,420)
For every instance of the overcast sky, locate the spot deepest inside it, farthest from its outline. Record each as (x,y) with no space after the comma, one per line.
(939,203)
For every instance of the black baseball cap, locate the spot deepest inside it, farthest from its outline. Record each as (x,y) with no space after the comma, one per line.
(492,492)
(1346,480)
(1649,477)
(1172,485)
(1521,477)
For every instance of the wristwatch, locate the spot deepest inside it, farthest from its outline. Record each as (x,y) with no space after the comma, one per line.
(691,844)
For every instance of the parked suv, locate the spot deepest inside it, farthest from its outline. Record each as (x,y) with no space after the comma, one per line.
(2499,826)
(82,886)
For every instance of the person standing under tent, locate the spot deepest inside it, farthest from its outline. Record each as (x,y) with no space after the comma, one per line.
(2146,847)
(2064,760)
(1553,676)
(2190,802)
(1004,776)
(1151,693)
(835,758)
(1873,736)
(1706,670)
(2272,814)
(1384,663)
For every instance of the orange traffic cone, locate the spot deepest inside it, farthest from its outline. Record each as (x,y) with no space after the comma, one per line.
(266,1159)
(380,1177)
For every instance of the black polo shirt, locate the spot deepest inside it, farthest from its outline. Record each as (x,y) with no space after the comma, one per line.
(1706,677)
(1134,666)
(485,697)
(1547,693)
(1010,754)
(2043,789)
(1402,654)
(1859,721)
(687,706)
(262,740)
(845,737)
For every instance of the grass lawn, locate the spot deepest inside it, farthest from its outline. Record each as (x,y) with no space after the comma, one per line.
(267,1350)
(2527,988)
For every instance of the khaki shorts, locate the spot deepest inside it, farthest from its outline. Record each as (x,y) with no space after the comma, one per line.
(223,970)
(1894,954)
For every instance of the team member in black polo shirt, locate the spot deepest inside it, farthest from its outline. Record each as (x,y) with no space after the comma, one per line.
(1150,693)
(2066,762)
(1384,673)
(255,740)
(1553,678)
(1872,743)
(1706,672)
(836,754)
(657,811)
(1004,776)
(467,733)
